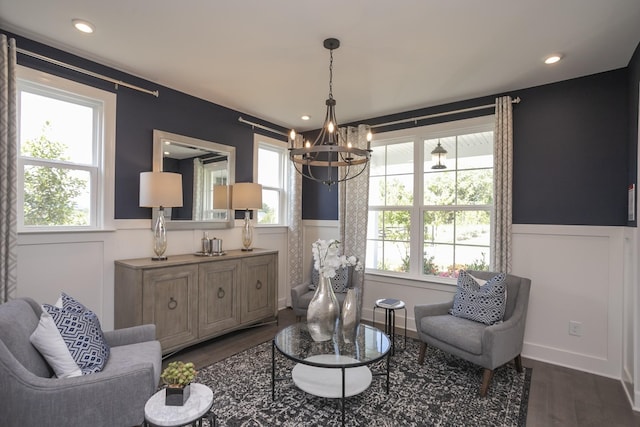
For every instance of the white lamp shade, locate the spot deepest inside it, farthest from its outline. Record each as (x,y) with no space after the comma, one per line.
(160,189)
(221,196)
(247,195)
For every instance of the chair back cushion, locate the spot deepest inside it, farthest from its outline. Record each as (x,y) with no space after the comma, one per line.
(18,319)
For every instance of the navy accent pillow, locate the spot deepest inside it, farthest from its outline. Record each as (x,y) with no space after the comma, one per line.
(339,282)
(81,331)
(485,304)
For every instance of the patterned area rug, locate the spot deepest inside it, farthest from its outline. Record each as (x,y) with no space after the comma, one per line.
(442,392)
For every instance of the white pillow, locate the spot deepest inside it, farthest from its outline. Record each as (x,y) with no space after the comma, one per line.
(47,339)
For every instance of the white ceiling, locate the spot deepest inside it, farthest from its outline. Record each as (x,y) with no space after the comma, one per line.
(266,58)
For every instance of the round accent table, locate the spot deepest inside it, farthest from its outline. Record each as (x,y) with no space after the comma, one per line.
(390,305)
(197,407)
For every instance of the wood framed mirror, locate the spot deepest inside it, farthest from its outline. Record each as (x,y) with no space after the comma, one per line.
(208,171)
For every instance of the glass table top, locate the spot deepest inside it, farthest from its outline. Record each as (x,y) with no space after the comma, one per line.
(367,346)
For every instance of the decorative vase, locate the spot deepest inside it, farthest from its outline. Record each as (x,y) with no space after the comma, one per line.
(350,316)
(177,396)
(323,311)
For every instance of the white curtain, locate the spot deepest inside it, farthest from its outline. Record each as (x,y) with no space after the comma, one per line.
(198,189)
(354,208)
(296,251)
(8,172)
(503,183)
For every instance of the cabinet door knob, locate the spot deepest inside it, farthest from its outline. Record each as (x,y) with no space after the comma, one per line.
(258,284)
(221,293)
(172,303)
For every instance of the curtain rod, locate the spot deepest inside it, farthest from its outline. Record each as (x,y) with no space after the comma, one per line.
(413,119)
(258,125)
(86,72)
(446,113)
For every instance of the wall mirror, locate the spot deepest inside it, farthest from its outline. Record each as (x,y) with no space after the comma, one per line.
(208,171)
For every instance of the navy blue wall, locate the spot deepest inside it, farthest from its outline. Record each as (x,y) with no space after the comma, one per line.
(571,152)
(634,88)
(574,141)
(138,114)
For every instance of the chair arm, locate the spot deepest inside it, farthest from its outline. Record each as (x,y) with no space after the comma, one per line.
(297,292)
(132,335)
(100,397)
(504,339)
(438,309)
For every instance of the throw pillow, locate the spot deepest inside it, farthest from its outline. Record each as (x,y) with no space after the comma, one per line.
(47,340)
(481,303)
(80,330)
(339,282)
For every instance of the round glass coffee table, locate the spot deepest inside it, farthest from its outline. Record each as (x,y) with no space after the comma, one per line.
(336,368)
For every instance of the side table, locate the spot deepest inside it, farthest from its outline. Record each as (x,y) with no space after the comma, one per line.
(390,305)
(197,407)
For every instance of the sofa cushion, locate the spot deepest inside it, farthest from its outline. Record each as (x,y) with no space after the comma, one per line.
(81,331)
(461,333)
(481,303)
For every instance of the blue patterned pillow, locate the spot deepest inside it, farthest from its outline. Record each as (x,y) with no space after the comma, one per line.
(485,304)
(339,282)
(81,331)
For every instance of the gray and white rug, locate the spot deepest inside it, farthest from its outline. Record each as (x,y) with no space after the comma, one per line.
(442,392)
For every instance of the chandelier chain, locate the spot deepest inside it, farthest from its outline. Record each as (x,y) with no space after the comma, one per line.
(331,74)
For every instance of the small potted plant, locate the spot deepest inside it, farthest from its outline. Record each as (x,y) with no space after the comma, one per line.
(177,376)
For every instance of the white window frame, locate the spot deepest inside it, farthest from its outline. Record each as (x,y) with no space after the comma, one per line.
(102,167)
(282,149)
(418,136)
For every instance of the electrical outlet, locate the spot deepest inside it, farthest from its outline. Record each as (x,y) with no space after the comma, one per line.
(575,328)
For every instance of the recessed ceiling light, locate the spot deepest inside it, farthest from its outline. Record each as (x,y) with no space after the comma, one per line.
(83,26)
(305,117)
(552,59)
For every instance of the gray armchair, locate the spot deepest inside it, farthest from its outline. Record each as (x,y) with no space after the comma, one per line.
(301,294)
(32,395)
(489,346)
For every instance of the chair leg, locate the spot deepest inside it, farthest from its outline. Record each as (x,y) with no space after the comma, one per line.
(518,362)
(423,350)
(487,375)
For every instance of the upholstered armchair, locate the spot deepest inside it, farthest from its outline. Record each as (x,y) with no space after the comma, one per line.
(32,395)
(489,346)
(301,294)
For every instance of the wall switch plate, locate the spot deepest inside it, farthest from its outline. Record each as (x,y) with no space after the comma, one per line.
(575,328)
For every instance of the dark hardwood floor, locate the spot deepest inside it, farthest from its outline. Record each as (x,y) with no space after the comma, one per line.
(558,396)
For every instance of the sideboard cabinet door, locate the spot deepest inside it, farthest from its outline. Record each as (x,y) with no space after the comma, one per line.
(169,299)
(258,288)
(218,297)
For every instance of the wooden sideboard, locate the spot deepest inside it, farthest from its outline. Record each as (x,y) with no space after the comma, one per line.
(194,298)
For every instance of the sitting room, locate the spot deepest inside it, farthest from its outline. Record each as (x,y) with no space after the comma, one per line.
(347,213)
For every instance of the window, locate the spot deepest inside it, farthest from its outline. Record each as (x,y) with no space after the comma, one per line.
(272,171)
(443,215)
(65,154)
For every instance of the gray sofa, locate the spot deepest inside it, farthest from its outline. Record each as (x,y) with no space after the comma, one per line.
(489,346)
(301,294)
(30,394)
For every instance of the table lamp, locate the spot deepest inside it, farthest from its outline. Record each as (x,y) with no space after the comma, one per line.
(160,190)
(247,196)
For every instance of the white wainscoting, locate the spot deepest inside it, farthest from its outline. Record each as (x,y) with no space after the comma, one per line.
(82,264)
(578,274)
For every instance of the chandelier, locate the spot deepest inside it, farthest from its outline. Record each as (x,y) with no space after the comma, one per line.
(332,149)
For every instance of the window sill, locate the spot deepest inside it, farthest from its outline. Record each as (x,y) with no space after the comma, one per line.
(437,283)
